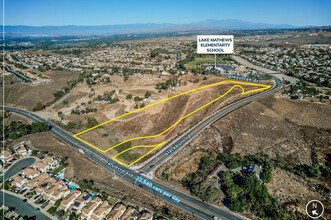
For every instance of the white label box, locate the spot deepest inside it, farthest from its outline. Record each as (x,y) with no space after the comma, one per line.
(215,44)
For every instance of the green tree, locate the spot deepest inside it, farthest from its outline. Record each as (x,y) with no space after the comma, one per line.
(314,170)
(148,94)
(266,176)
(65,102)
(39,127)
(129,96)
(137,99)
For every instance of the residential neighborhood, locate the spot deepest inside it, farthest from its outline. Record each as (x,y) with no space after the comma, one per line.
(42,186)
(308,62)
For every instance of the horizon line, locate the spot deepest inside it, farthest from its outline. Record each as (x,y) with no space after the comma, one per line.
(170,23)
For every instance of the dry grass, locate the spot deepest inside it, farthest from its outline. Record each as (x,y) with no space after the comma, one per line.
(288,189)
(273,126)
(156,119)
(298,132)
(26,96)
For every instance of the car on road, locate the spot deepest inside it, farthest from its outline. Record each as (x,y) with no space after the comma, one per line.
(37,209)
(24,200)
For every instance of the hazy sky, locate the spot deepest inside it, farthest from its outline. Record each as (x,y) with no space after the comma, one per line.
(102,12)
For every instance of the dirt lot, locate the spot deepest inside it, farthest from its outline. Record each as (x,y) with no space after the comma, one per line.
(26,96)
(80,168)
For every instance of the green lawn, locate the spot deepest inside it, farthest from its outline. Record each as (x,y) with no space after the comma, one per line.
(30,194)
(38,200)
(52,210)
(45,204)
(58,169)
(207,59)
(64,216)
(5,185)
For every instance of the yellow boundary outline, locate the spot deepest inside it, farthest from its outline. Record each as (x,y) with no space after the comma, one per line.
(264,87)
(155,146)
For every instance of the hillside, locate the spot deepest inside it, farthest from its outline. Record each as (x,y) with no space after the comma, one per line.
(295,134)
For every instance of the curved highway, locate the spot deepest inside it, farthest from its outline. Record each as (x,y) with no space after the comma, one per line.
(189,135)
(159,190)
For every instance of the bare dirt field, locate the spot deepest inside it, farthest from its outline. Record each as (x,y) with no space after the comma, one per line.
(27,96)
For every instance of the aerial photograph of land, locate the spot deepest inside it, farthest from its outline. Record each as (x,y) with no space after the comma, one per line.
(152,110)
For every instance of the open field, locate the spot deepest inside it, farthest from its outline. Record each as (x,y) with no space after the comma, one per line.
(27,96)
(134,135)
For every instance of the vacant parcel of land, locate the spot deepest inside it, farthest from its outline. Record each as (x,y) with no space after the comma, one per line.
(134,135)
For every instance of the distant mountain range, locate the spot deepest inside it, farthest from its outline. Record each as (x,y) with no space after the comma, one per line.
(209,24)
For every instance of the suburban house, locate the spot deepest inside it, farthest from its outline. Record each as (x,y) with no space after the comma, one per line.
(46,185)
(90,207)
(30,173)
(102,211)
(58,194)
(18,181)
(52,189)
(37,181)
(41,166)
(117,212)
(146,216)
(79,203)
(128,214)
(6,156)
(50,161)
(67,201)
(21,151)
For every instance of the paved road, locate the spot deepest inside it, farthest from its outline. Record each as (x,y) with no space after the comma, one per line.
(20,76)
(159,190)
(22,208)
(251,65)
(185,138)
(17,167)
